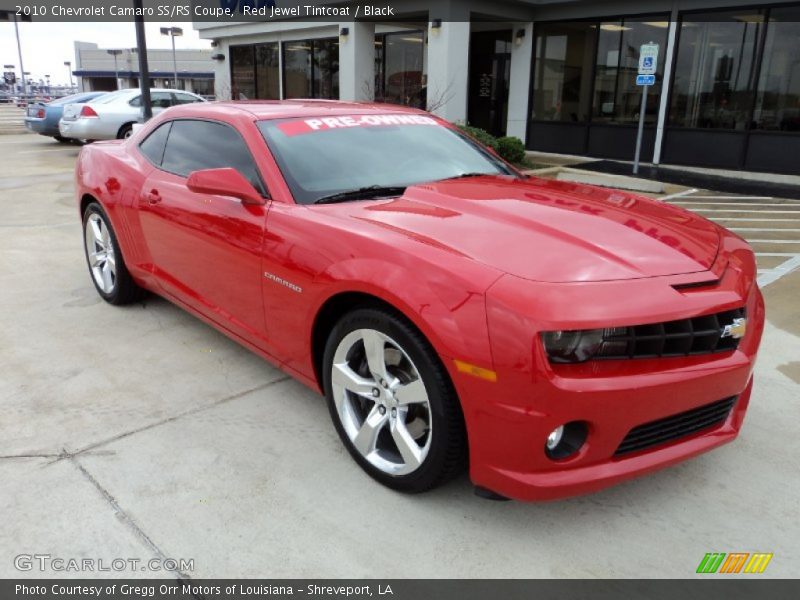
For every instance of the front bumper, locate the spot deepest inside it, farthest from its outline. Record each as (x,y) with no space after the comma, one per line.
(508,421)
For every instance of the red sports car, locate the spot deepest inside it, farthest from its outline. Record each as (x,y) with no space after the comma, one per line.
(557,338)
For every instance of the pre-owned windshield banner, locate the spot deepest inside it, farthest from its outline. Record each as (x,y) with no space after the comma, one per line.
(301,126)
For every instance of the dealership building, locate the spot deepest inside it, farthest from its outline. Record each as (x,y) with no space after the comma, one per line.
(560,75)
(106,69)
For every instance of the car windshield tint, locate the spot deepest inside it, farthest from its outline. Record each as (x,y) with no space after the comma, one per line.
(320,157)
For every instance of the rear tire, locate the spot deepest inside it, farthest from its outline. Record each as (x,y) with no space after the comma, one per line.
(125,131)
(62,140)
(392,401)
(105,261)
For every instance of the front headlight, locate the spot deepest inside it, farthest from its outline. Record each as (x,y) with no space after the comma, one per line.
(572,346)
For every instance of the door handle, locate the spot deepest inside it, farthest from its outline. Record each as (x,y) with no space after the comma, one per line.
(153,197)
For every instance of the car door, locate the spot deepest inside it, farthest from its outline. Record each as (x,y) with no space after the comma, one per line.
(205,250)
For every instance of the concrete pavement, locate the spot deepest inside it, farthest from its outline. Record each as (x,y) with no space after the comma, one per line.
(143,433)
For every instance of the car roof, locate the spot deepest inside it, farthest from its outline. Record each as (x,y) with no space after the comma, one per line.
(298,108)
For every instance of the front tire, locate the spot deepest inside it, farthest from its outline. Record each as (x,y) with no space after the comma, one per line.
(104,259)
(392,402)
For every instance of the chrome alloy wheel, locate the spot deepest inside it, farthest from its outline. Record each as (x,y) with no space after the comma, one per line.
(381,401)
(100,250)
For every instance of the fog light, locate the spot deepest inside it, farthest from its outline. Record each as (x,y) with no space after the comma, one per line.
(554,439)
(566,440)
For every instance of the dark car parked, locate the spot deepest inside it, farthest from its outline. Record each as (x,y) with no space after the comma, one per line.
(43,118)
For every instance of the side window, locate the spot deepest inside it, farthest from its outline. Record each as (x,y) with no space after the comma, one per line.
(153,145)
(184,98)
(161,99)
(194,145)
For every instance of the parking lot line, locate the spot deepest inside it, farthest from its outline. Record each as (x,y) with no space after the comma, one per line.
(774,241)
(733,197)
(734,210)
(763,229)
(767,220)
(739,203)
(781,270)
(679,194)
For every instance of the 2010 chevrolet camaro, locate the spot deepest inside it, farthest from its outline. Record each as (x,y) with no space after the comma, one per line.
(556,337)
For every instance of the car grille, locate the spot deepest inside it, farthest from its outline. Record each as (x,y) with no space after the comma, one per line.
(686,337)
(676,427)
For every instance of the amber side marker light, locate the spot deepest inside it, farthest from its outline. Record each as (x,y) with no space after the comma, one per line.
(479,372)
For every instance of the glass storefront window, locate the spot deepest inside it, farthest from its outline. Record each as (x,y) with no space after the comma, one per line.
(714,69)
(402,70)
(267,72)
(311,69)
(563,71)
(617,98)
(297,69)
(243,76)
(778,94)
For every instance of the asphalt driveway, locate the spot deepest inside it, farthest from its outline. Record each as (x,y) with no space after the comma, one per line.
(142,433)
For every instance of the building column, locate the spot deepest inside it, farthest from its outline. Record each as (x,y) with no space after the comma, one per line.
(448,62)
(223,86)
(357,62)
(665,87)
(520,84)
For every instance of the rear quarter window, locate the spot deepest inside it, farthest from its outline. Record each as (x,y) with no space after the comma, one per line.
(153,145)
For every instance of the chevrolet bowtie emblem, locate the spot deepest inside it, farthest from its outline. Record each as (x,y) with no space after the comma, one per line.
(735,330)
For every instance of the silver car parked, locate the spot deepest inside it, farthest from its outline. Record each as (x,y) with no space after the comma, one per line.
(112,116)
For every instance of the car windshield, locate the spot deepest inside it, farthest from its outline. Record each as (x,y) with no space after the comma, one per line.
(323,158)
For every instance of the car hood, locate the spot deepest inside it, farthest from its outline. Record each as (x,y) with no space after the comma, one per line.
(547,230)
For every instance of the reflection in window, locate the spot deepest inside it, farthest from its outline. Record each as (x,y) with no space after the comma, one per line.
(778,95)
(617,98)
(399,75)
(243,77)
(714,70)
(267,72)
(311,69)
(297,69)
(563,72)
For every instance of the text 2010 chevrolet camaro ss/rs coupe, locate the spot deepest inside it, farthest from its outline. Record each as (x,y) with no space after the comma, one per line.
(557,338)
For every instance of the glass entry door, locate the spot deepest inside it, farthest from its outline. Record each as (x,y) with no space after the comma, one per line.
(490,69)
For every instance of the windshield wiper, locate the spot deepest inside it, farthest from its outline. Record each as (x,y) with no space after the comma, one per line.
(465,175)
(364,193)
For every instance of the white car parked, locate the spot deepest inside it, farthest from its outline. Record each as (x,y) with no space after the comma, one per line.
(112,116)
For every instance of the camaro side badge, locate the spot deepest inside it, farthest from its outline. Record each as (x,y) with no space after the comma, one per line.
(735,330)
(276,279)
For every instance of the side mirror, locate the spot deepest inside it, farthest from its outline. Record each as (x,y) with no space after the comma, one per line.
(224,182)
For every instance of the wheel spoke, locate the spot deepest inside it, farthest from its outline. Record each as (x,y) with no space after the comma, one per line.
(409,450)
(344,376)
(411,393)
(112,263)
(374,349)
(95,258)
(367,437)
(108,282)
(96,231)
(104,234)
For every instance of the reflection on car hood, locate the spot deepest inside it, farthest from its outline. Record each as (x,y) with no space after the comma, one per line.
(548,230)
